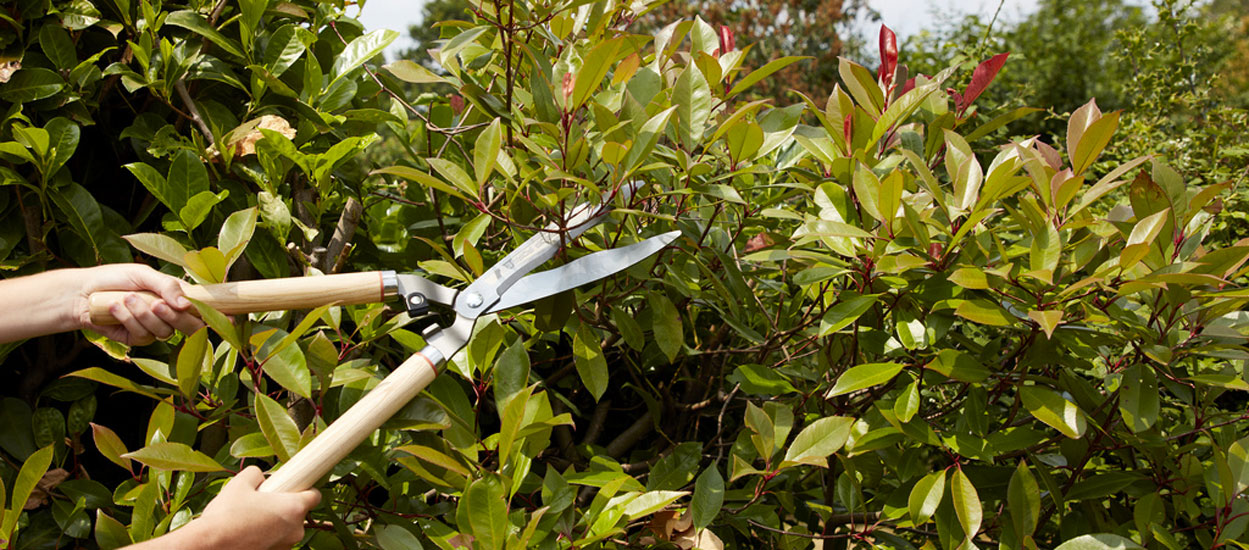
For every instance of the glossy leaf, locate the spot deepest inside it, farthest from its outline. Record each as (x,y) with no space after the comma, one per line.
(277,426)
(966,503)
(1054,410)
(174,456)
(925,496)
(818,440)
(589,360)
(864,376)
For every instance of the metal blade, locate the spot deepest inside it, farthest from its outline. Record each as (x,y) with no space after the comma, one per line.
(583,270)
(483,293)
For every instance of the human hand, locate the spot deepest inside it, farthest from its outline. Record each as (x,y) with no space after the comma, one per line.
(244,518)
(142,321)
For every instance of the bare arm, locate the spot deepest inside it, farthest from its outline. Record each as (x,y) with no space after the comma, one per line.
(56,301)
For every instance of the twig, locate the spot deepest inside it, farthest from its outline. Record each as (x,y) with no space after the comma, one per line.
(195,116)
(346,229)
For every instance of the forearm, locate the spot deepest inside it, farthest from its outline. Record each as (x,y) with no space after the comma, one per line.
(192,536)
(39,304)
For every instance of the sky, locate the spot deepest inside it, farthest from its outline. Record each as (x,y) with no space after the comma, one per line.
(905,17)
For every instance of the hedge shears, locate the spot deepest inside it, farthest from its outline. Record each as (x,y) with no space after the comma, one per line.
(505,285)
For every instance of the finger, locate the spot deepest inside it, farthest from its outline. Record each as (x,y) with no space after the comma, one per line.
(295,535)
(308,499)
(147,317)
(247,480)
(169,288)
(184,322)
(135,334)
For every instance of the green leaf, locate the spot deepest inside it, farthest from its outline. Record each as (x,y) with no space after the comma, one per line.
(412,174)
(511,373)
(220,324)
(174,456)
(57,46)
(647,137)
(966,503)
(1100,541)
(1054,410)
(31,84)
(1144,235)
(818,440)
(486,153)
(758,379)
(482,512)
(862,85)
(864,376)
(984,312)
(198,207)
(629,329)
(763,72)
(708,497)
(413,72)
(589,360)
(907,405)
(27,478)
(395,537)
(286,364)
(207,266)
(83,214)
(692,97)
(1047,320)
(650,502)
(277,426)
(235,233)
(1138,398)
(925,496)
(194,357)
(109,445)
(110,533)
(454,174)
(187,177)
(362,49)
(159,246)
(591,74)
(105,377)
(194,22)
(847,310)
(1023,498)
(666,325)
(154,182)
(1093,141)
(1238,464)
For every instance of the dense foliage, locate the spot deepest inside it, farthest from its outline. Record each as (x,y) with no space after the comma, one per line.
(879,327)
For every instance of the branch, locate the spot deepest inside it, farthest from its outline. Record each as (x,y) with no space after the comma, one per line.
(195,116)
(346,229)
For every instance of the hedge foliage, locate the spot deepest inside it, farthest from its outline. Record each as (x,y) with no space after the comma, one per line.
(878,328)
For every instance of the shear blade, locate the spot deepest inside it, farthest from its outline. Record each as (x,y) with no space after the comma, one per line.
(581,271)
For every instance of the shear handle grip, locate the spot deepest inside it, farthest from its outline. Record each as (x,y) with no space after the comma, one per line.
(331,446)
(263,294)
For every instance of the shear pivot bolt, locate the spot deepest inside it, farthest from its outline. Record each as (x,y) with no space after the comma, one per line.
(416,300)
(473,299)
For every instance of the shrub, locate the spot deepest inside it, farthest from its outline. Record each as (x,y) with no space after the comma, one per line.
(868,334)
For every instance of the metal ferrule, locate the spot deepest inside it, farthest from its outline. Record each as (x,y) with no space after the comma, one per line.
(390,283)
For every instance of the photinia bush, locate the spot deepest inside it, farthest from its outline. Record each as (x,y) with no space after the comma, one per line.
(878,328)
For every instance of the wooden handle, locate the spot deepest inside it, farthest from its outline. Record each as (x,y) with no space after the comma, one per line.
(264,294)
(338,440)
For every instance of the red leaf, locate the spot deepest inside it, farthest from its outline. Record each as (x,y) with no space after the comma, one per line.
(981,77)
(847,127)
(457,103)
(888,59)
(908,86)
(727,41)
(958,99)
(570,82)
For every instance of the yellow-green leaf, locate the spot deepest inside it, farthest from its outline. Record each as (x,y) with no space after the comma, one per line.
(864,376)
(1052,409)
(174,456)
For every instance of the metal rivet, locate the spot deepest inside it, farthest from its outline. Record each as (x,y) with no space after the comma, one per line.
(473,299)
(416,299)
